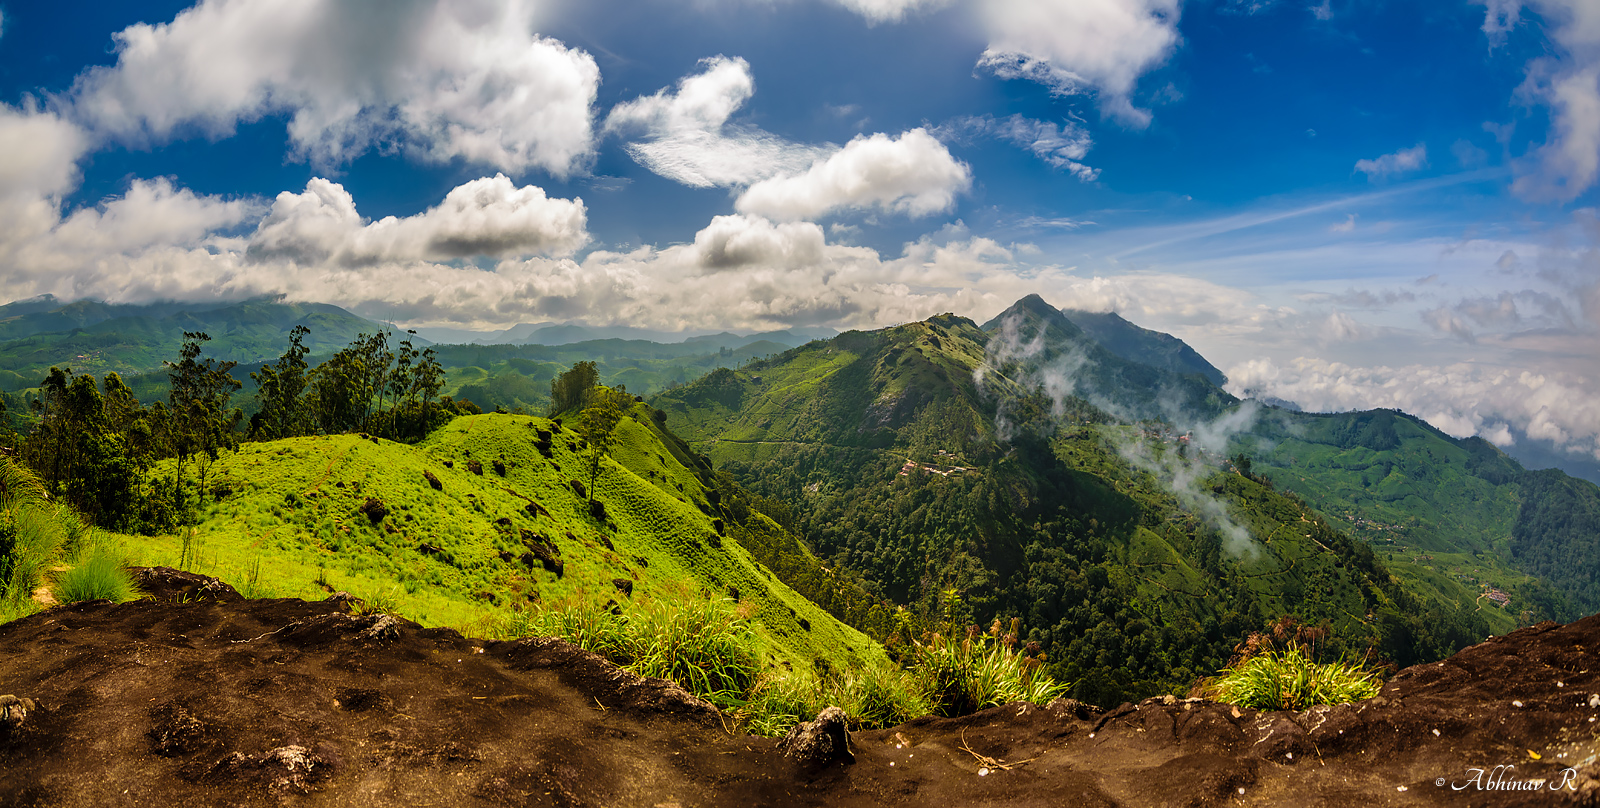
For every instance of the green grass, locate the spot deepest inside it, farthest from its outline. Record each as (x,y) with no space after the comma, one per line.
(699,643)
(291,527)
(964,674)
(99,574)
(1289,679)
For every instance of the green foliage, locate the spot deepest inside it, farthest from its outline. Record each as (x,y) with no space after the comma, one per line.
(1288,678)
(1128,589)
(597,426)
(201,425)
(963,674)
(571,390)
(1557,536)
(279,387)
(698,643)
(33,533)
(99,574)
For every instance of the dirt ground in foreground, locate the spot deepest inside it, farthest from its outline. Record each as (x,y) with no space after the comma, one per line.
(221,701)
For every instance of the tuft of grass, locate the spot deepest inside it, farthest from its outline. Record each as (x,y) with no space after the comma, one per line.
(1290,679)
(98,575)
(699,643)
(961,675)
(383,602)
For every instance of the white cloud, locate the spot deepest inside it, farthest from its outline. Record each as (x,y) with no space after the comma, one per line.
(1077,46)
(488,216)
(687,137)
(1341,327)
(39,153)
(877,11)
(151,213)
(1062,146)
(1399,162)
(912,174)
(443,79)
(1567,81)
(1346,226)
(1461,399)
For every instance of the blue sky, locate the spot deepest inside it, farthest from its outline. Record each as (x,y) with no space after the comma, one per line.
(1345,204)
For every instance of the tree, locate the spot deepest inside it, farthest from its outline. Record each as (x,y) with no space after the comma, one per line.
(200,425)
(597,426)
(279,390)
(571,390)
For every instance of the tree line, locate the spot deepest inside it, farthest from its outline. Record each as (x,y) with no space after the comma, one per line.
(97,447)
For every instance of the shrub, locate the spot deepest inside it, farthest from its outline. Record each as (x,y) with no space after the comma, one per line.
(98,575)
(980,670)
(700,644)
(1290,679)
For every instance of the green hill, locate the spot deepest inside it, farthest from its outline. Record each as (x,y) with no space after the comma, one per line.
(97,338)
(908,473)
(1052,351)
(293,518)
(1142,345)
(1455,516)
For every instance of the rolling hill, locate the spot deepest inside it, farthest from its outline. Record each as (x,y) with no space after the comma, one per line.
(478,521)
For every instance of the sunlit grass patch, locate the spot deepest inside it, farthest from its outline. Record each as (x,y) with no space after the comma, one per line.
(1289,679)
(99,574)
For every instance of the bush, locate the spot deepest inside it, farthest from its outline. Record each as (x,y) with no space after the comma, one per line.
(980,670)
(98,575)
(1289,679)
(700,644)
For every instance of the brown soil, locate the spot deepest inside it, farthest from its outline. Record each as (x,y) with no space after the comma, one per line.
(217,700)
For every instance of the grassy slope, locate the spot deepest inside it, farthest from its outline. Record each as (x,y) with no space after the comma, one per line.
(293,514)
(1440,513)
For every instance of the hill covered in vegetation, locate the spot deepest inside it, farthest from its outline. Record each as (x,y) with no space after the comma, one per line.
(479,522)
(923,459)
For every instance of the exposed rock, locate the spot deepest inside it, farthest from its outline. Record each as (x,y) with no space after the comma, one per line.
(623,585)
(475,467)
(821,741)
(13,712)
(500,468)
(577,488)
(285,770)
(381,628)
(179,586)
(374,510)
(432,480)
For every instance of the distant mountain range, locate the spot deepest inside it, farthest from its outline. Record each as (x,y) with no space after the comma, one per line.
(568,333)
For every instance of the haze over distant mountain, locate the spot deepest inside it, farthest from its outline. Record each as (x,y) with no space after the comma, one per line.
(1152,348)
(568,333)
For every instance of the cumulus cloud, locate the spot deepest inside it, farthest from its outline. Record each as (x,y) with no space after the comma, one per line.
(442,79)
(1461,399)
(1061,145)
(912,174)
(1400,162)
(488,216)
(1074,46)
(39,153)
(686,137)
(1567,82)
